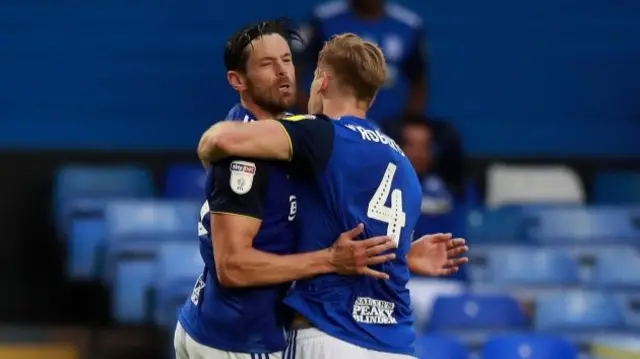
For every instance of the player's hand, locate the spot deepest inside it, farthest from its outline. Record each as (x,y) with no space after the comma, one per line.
(437,255)
(350,256)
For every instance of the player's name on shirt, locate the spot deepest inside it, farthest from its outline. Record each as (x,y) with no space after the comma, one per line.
(376,136)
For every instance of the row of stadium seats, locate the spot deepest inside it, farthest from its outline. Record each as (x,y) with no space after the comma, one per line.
(527,346)
(89,221)
(505,346)
(122,245)
(185,181)
(568,311)
(80,188)
(508,184)
(567,269)
(593,266)
(555,224)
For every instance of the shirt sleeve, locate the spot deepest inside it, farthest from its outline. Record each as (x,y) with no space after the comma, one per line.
(239,186)
(415,64)
(312,139)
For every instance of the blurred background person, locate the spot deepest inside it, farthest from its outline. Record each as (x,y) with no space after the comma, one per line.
(416,138)
(396,29)
(101,187)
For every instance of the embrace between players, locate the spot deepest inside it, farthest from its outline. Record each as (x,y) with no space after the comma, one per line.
(291,201)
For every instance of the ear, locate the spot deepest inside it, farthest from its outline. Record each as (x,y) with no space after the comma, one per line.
(237,81)
(325,81)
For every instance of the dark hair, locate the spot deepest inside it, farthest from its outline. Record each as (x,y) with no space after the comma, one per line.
(393,127)
(235,56)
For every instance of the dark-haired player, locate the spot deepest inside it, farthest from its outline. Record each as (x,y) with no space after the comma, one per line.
(245,233)
(347,172)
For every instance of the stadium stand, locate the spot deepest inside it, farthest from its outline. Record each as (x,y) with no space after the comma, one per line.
(546,277)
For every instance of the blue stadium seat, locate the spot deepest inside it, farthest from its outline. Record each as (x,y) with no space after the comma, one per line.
(578,311)
(135,231)
(528,346)
(131,274)
(177,268)
(586,224)
(469,312)
(532,266)
(617,269)
(505,224)
(151,219)
(434,346)
(86,237)
(185,181)
(617,188)
(74,183)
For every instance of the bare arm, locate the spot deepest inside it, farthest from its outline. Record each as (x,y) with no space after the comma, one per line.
(265,139)
(238,264)
(237,209)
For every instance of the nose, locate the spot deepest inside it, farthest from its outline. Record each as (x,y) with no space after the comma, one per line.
(279,67)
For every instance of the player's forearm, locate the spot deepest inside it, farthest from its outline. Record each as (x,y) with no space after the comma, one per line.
(209,148)
(252,267)
(265,139)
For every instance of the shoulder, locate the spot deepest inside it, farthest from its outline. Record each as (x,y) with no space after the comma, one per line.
(308,124)
(404,16)
(329,10)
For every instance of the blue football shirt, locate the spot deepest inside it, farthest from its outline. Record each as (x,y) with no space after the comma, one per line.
(348,172)
(245,320)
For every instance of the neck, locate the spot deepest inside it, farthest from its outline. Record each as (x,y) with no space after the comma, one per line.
(258,111)
(336,109)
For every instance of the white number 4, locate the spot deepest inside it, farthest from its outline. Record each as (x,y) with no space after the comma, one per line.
(393,216)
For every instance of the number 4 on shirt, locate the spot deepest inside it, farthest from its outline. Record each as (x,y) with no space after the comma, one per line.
(393,216)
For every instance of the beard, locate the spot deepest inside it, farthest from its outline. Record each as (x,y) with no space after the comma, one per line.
(270,99)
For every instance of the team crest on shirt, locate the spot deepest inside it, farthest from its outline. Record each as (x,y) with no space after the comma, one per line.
(242,173)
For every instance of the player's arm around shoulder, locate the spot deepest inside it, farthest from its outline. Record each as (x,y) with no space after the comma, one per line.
(264,139)
(302,139)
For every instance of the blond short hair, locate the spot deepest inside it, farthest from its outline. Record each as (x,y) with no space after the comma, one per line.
(358,64)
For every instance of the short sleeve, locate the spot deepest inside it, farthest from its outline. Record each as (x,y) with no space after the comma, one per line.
(239,186)
(312,139)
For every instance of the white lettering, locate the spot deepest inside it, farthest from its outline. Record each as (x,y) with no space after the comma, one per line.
(376,136)
(373,311)
(373,136)
(293,208)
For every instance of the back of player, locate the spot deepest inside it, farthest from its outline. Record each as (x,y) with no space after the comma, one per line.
(366,179)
